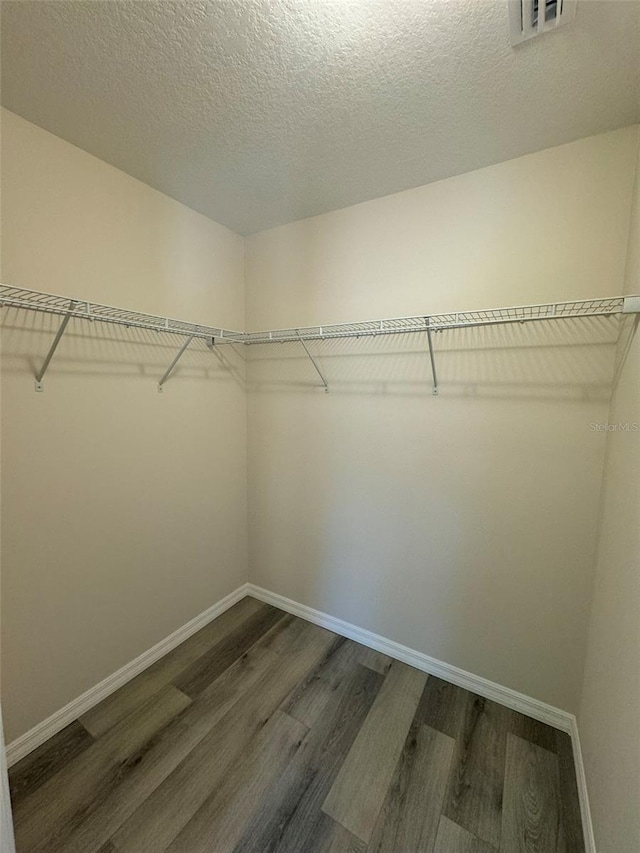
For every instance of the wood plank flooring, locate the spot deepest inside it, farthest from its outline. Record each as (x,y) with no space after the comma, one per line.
(265,734)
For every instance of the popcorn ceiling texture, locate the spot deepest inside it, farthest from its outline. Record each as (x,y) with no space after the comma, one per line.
(261,112)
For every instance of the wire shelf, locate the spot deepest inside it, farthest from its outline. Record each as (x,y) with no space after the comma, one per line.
(438,322)
(48,303)
(33,300)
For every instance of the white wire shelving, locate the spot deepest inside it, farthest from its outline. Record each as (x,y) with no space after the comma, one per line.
(48,303)
(69,308)
(438,322)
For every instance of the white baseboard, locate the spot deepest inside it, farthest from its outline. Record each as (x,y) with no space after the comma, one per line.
(585,811)
(548,714)
(7,841)
(36,736)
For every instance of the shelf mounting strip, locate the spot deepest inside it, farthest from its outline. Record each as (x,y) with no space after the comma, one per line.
(67,308)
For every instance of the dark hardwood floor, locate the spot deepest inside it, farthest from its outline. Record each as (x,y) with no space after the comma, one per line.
(265,733)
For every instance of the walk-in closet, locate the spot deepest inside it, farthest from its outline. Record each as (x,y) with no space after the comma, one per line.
(320,426)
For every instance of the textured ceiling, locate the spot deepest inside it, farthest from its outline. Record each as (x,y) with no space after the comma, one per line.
(259,112)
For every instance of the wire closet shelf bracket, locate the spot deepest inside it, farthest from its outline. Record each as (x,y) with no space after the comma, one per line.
(69,308)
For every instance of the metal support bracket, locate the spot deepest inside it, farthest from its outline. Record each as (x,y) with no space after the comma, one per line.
(432,357)
(39,385)
(631,306)
(313,362)
(171,367)
(625,340)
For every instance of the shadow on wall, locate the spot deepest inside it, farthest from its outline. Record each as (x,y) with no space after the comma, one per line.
(100,349)
(564,359)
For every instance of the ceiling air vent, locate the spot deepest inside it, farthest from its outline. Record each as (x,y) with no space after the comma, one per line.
(529,18)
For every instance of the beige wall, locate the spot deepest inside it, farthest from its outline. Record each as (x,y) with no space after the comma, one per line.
(609,719)
(124,510)
(462,525)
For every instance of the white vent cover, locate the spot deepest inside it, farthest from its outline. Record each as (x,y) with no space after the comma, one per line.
(529,18)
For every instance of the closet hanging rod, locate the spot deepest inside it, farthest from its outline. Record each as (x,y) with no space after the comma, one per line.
(31,300)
